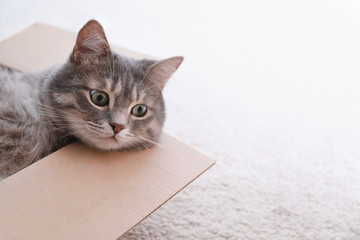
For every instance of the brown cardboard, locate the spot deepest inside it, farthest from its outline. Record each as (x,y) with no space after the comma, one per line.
(77,192)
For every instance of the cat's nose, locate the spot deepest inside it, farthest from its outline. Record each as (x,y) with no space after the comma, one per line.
(116,127)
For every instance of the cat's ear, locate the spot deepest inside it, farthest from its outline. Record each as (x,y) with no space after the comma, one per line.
(160,72)
(91,43)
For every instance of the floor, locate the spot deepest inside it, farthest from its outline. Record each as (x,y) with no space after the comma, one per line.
(270,89)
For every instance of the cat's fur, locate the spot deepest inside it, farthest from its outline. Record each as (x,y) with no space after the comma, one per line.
(42,112)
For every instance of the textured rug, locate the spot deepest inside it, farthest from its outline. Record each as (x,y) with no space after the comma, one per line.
(288,165)
(270,89)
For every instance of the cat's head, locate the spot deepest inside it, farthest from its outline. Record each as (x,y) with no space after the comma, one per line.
(106,100)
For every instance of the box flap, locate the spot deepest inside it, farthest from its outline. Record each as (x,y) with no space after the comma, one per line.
(78,192)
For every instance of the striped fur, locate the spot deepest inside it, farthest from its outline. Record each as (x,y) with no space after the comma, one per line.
(42,112)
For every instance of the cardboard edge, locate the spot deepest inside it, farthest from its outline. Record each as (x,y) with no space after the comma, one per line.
(15,66)
(120,50)
(132,54)
(14,69)
(17,33)
(213,162)
(171,197)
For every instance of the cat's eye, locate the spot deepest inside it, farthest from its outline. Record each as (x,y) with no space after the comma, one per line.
(139,110)
(99,98)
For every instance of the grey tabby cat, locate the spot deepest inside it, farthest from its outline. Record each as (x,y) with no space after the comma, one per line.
(103,99)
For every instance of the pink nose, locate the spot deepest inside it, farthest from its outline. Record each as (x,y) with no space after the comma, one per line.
(116,127)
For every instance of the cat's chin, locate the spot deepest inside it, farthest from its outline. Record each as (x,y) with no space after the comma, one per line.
(106,144)
(112,144)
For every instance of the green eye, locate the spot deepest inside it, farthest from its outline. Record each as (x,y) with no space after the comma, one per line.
(139,110)
(99,98)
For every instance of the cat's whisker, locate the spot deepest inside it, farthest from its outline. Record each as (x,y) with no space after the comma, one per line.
(52,108)
(155,142)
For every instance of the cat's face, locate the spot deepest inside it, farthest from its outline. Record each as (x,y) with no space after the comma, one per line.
(108,101)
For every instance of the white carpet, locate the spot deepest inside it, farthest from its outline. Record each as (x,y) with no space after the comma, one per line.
(270,89)
(288,168)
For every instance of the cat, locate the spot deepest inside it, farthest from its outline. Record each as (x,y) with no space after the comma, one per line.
(98,97)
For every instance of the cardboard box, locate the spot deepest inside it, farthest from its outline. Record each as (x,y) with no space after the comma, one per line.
(77,192)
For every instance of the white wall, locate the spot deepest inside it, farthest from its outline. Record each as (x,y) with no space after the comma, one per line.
(268,88)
